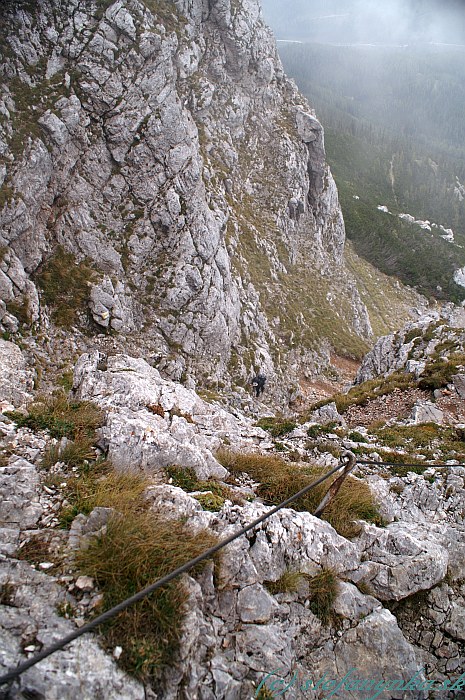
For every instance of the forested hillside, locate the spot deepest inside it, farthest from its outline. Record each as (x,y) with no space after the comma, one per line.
(395,138)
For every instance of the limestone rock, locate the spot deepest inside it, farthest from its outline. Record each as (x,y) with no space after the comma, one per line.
(255,604)
(327,414)
(16,380)
(458,380)
(110,306)
(374,644)
(426,412)
(398,562)
(153,423)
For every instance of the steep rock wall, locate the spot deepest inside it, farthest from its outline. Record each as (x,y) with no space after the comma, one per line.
(161,144)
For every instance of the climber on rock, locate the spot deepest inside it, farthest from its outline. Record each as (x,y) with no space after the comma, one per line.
(258,382)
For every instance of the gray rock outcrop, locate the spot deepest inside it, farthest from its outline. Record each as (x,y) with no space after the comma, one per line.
(16,379)
(153,423)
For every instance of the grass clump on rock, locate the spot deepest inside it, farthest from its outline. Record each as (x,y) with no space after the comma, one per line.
(361,394)
(135,551)
(323,593)
(99,485)
(60,416)
(215,493)
(322,590)
(279,480)
(277,427)
(65,286)
(136,547)
(287,583)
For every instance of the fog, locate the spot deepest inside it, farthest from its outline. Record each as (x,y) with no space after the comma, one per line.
(395,22)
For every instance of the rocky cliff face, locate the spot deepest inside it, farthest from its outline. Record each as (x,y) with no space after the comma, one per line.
(160,172)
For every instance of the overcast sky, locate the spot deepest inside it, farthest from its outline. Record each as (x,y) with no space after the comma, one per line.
(368,21)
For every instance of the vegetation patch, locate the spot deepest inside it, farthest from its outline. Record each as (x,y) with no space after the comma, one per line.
(211,501)
(60,416)
(35,551)
(289,582)
(280,479)
(65,286)
(361,394)
(167,13)
(323,593)
(438,373)
(21,309)
(187,480)
(278,426)
(75,454)
(137,549)
(357,437)
(7,593)
(426,438)
(100,486)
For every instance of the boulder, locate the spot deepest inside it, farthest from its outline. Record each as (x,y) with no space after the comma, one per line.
(153,422)
(398,562)
(426,412)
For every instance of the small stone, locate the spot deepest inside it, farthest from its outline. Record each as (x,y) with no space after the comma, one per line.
(46,565)
(117,651)
(84,583)
(29,648)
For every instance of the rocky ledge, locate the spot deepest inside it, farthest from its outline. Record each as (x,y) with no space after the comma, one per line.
(399,603)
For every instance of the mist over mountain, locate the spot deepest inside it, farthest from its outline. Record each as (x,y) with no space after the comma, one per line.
(394,134)
(368,21)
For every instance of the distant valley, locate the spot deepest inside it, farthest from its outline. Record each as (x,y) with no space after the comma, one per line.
(395,140)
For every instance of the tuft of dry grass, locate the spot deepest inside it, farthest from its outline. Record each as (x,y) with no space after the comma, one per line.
(60,416)
(361,394)
(7,593)
(136,550)
(287,583)
(36,550)
(280,479)
(75,454)
(103,487)
(323,593)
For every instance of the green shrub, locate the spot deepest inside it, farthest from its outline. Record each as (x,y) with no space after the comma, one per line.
(277,427)
(357,437)
(315,431)
(438,373)
(210,501)
(185,479)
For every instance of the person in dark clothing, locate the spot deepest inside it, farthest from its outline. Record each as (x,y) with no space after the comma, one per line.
(258,382)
